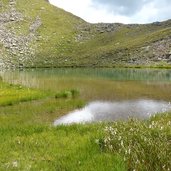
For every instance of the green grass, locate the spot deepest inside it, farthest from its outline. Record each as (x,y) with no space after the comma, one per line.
(30,142)
(144,145)
(70,148)
(34,144)
(12,94)
(67,94)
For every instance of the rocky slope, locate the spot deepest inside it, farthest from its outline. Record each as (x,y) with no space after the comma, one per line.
(34,33)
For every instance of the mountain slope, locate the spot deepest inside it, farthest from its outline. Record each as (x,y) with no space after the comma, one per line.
(34,33)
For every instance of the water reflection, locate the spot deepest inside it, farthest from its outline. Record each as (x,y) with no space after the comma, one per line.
(112,84)
(107,73)
(110,111)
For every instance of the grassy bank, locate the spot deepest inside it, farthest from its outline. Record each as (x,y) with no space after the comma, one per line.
(11,94)
(30,141)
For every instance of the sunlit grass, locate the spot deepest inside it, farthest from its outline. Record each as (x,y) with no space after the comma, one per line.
(31,142)
(62,148)
(11,94)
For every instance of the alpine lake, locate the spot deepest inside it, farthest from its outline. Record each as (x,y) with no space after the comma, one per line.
(109,93)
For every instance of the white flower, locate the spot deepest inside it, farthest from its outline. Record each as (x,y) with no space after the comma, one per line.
(122,143)
(111,147)
(14,164)
(129,151)
(119,138)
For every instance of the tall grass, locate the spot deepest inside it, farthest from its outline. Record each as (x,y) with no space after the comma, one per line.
(144,145)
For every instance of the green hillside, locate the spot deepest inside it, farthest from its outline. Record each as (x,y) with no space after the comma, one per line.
(34,33)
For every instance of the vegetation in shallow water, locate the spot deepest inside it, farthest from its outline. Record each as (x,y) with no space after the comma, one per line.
(12,94)
(68,94)
(30,142)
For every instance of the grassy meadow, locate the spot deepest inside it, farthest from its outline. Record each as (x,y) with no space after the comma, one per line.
(29,141)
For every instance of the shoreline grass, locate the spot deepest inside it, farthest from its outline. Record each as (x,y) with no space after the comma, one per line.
(79,147)
(144,145)
(157,66)
(30,142)
(13,94)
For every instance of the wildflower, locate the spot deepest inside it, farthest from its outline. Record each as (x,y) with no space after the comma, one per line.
(137,161)
(131,129)
(111,147)
(129,151)
(14,164)
(110,128)
(119,138)
(122,143)
(105,140)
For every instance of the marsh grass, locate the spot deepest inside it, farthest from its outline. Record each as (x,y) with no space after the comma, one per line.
(12,94)
(67,94)
(30,142)
(144,145)
(66,148)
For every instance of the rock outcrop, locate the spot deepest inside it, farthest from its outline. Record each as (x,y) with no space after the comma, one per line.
(17,49)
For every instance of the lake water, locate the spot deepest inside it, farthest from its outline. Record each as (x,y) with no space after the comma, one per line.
(110,93)
(109,111)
